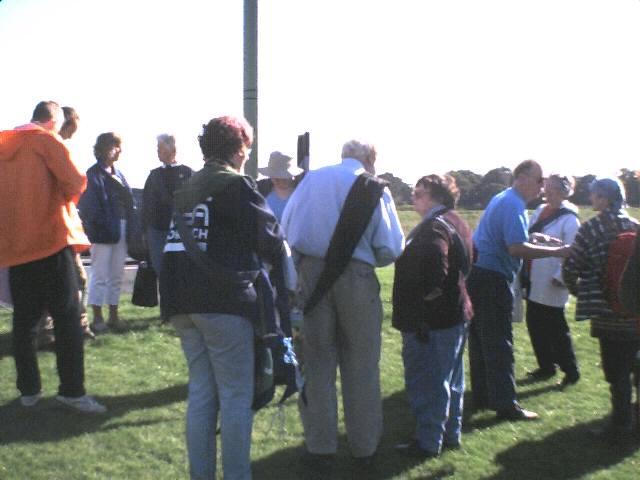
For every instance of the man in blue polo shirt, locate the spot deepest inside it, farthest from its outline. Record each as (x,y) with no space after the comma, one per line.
(502,241)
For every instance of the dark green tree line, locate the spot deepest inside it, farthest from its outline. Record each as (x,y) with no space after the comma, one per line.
(476,190)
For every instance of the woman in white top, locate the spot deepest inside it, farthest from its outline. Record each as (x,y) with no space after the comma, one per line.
(547,294)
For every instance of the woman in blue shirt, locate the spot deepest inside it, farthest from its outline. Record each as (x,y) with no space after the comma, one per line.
(282,175)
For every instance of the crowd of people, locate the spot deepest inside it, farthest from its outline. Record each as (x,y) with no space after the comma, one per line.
(210,233)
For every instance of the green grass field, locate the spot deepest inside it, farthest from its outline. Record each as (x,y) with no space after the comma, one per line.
(141,377)
(409,218)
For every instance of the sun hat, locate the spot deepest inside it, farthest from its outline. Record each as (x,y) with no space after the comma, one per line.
(280,166)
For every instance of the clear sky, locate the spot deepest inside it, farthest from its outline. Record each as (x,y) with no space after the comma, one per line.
(435,84)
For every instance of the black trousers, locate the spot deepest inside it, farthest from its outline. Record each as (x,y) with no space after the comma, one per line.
(617,363)
(493,382)
(550,338)
(49,284)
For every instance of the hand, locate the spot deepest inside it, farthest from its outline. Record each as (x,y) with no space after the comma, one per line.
(554,242)
(538,238)
(563,252)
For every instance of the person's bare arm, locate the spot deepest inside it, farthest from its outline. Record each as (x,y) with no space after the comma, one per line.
(529,251)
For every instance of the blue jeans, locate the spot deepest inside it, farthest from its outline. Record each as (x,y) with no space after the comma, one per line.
(434,381)
(491,360)
(219,353)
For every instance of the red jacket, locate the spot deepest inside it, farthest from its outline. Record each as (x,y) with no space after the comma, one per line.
(39,185)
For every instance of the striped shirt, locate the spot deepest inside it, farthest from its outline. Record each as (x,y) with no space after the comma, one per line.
(584,269)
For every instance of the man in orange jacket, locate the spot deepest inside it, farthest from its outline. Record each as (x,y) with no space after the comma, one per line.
(46,336)
(40,233)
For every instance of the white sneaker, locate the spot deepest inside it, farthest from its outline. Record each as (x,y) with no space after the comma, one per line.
(85,404)
(30,400)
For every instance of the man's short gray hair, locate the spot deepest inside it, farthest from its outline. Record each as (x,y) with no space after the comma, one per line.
(168,140)
(358,150)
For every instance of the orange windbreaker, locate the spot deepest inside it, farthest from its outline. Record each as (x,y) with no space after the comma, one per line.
(39,186)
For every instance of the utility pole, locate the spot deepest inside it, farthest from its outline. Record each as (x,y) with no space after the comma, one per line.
(250,79)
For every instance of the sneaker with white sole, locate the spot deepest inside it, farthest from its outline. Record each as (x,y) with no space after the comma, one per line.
(30,400)
(85,404)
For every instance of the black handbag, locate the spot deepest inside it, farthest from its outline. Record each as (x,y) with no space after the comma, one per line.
(275,360)
(145,286)
(136,245)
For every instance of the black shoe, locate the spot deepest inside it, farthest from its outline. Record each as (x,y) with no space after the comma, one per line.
(364,464)
(450,445)
(478,405)
(413,449)
(318,462)
(569,379)
(539,375)
(516,413)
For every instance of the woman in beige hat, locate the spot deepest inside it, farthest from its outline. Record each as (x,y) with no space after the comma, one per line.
(282,173)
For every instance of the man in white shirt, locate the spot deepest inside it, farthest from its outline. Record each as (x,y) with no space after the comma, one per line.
(344,327)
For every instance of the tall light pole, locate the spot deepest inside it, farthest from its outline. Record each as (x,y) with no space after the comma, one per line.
(250,79)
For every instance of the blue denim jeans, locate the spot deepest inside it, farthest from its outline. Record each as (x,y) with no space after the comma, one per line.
(434,381)
(219,353)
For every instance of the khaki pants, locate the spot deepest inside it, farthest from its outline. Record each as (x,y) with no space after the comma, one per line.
(342,330)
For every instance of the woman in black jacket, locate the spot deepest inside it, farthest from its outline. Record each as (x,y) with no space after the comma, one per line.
(106,207)
(208,293)
(157,197)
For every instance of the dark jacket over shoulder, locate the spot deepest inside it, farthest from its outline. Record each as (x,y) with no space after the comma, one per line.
(432,263)
(234,227)
(101,203)
(157,196)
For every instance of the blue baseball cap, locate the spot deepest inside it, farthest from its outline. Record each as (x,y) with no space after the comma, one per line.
(609,188)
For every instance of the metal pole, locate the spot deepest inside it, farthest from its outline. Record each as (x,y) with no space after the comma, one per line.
(251,79)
